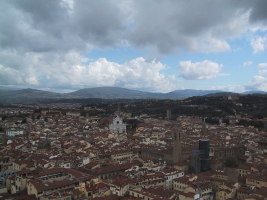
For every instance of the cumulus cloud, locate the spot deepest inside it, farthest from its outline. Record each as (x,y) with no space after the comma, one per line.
(259,44)
(18,68)
(72,70)
(136,73)
(200,70)
(259,82)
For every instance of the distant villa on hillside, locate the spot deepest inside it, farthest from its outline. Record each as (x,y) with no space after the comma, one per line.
(117,125)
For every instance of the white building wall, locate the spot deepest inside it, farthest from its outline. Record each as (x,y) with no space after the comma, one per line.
(117,125)
(170,177)
(12,133)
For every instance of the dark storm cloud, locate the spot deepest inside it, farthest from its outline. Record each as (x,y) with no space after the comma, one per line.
(30,25)
(171,24)
(259,11)
(51,25)
(99,22)
(165,25)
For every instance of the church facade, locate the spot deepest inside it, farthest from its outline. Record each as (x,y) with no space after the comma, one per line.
(117,125)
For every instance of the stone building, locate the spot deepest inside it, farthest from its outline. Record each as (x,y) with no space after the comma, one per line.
(117,125)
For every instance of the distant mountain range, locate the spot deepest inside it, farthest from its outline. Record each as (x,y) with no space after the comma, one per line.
(37,96)
(254,92)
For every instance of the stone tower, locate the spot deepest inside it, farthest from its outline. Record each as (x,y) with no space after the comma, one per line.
(177,148)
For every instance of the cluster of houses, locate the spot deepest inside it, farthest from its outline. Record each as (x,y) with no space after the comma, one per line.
(59,155)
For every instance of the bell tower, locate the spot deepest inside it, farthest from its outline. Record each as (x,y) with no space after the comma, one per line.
(177,148)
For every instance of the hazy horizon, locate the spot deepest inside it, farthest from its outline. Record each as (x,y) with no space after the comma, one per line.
(140,90)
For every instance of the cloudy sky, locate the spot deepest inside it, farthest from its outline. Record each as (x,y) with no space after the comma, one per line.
(151,45)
